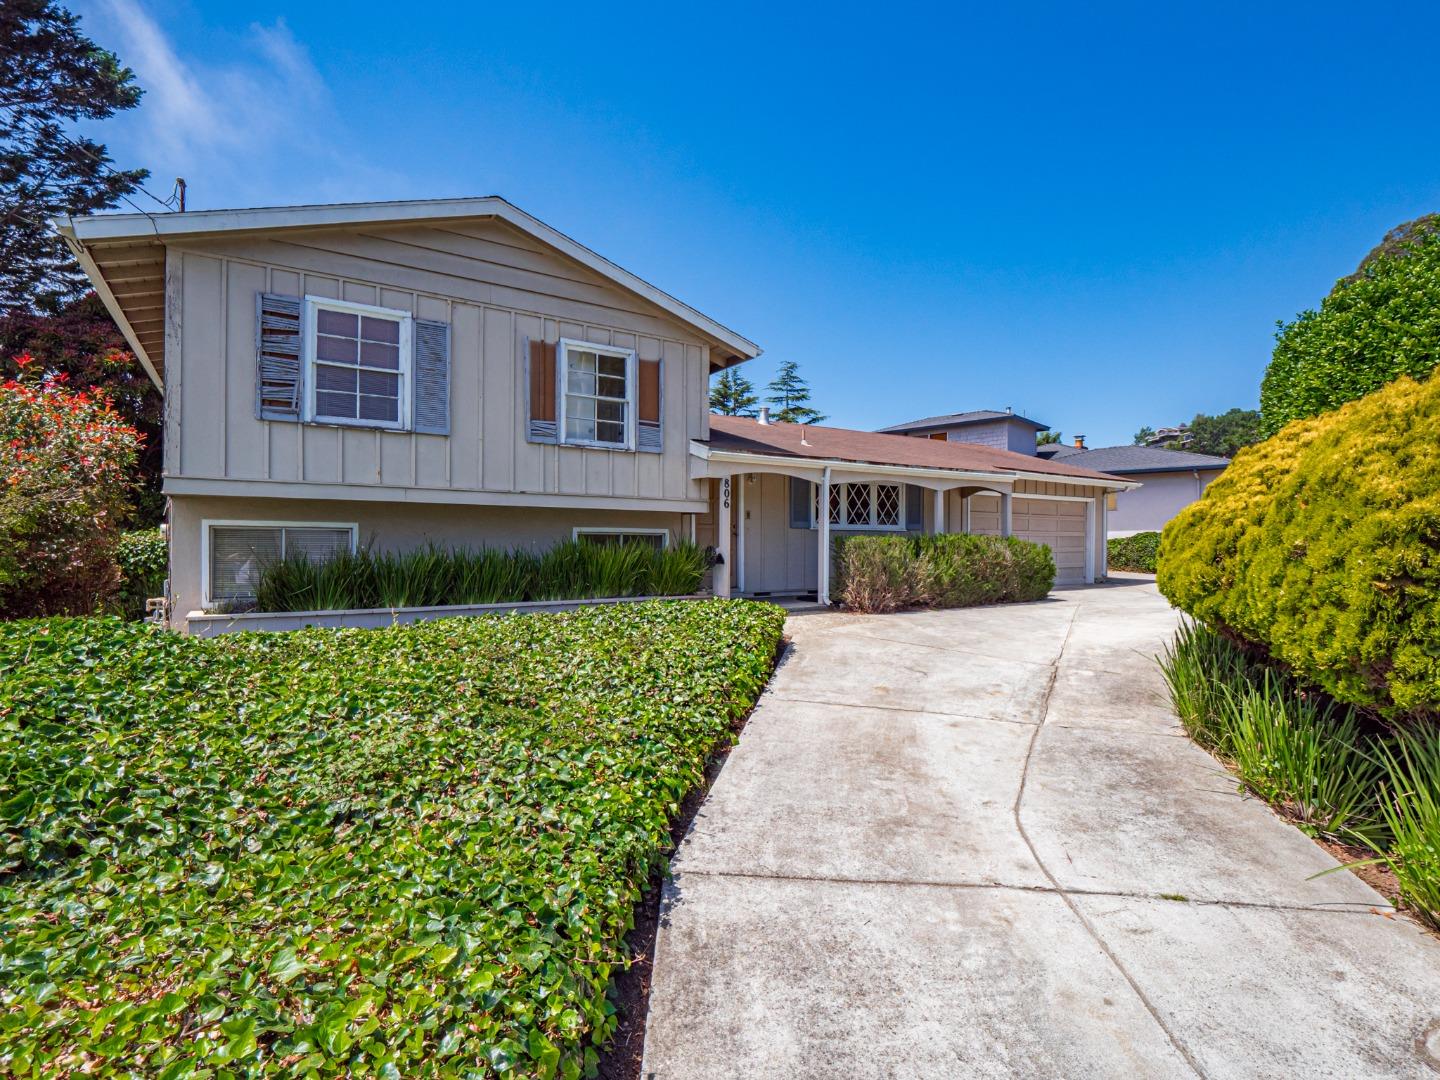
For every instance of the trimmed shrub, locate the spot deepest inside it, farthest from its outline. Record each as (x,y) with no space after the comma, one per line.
(1135,552)
(1379,324)
(1322,545)
(364,853)
(65,461)
(886,573)
(431,576)
(144,560)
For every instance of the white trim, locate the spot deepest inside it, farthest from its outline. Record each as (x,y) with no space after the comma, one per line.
(618,530)
(822,585)
(105,228)
(632,392)
(740,534)
(308,344)
(398,494)
(720,572)
(207,524)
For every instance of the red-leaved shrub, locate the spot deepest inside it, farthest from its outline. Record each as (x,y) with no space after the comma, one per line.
(65,461)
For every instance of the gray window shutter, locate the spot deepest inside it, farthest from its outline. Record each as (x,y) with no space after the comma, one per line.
(914,508)
(278,373)
(432,378)
(802,502)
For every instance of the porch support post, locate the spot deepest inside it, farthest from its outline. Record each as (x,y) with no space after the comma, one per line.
(1105,534)
(1005,529)
(822,529)
(940,510)
(739,480)
(1090,542)
(965,513)
(720,575)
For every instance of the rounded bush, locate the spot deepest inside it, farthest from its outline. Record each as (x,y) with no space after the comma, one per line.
(1136,552)
(1322,544)
(1379,324)
(885,573)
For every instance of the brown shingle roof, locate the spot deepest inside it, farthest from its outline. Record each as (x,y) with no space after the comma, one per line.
(739,435)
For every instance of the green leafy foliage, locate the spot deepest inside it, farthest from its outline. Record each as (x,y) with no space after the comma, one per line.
(431,575)
(732,394)
(144,559)
(886,573)
(1224,434)
(790,394)
(1136,552)
(1382,323)
(1319,762)
(411,851)
(1322,544)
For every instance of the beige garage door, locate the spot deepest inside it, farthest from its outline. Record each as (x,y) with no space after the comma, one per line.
(1061,526)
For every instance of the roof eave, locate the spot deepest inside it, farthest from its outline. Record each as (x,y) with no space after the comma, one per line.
(108,228)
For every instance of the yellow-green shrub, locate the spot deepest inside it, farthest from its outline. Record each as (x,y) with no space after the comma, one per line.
(1322,544)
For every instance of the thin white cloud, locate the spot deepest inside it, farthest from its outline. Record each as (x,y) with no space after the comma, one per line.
(259,127)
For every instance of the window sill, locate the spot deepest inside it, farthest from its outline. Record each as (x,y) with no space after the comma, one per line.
(357,425)
(576,444)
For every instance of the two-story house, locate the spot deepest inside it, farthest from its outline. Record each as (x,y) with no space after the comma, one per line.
(457,372)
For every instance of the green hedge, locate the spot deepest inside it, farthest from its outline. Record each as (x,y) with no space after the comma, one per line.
(411,851)
(1322,544)
(429,576)
(1135,552)
(1381,324)
(144,562)
(886,573)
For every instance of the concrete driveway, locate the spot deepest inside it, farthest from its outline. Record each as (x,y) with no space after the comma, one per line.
(977,844)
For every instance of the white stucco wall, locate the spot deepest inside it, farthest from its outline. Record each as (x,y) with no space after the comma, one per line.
(1162,496)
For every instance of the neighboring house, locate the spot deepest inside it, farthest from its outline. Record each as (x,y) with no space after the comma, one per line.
(457,372)
(1171,479)
(987,427)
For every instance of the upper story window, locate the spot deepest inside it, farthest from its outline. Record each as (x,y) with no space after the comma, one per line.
(598,403)
(358,361)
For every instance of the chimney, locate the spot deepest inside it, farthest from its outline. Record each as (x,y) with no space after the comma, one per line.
(1080,442)
(764,416)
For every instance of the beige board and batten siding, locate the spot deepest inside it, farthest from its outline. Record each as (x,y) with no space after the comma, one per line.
(496,287)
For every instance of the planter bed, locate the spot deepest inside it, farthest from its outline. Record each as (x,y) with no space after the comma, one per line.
(208,624)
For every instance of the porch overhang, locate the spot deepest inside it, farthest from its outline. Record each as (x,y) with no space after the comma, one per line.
(707,462)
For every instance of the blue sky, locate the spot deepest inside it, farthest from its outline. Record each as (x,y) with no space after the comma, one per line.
(1092,213)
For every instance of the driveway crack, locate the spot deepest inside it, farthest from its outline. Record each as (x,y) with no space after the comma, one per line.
(1150,1007)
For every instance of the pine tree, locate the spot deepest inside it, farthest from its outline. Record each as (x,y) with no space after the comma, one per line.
(52,74)
(790,394)
(733,394)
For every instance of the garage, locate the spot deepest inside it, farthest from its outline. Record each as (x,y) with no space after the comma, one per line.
(1058,525)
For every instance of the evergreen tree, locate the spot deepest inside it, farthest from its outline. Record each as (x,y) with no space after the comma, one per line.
(1144,435)
(790,394)
(52,74)
(733,395)
(1047,438)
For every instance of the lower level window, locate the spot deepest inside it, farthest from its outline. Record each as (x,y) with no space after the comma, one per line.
(657,538)
(866,506)
(239,552)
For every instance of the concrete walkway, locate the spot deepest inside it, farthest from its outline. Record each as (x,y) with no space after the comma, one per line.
(976,844)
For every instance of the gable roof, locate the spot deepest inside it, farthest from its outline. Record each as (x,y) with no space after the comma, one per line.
(960,419)
(1143,459)
(738,434)
(124,257)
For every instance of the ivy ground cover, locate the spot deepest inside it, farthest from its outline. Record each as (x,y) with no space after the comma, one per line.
(405,852)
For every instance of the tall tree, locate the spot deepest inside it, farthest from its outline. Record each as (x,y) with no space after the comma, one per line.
(790,394)
(52,75)
(733,394)
(1047,438)
(1144,435)
(1224,434)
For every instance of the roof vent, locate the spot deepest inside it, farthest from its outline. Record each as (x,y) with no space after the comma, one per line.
(764,416)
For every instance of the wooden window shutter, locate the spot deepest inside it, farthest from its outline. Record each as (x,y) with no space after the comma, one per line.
(802,503)
(914,508)
(431,415)
(278,372)
(650,429)
(540,422)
